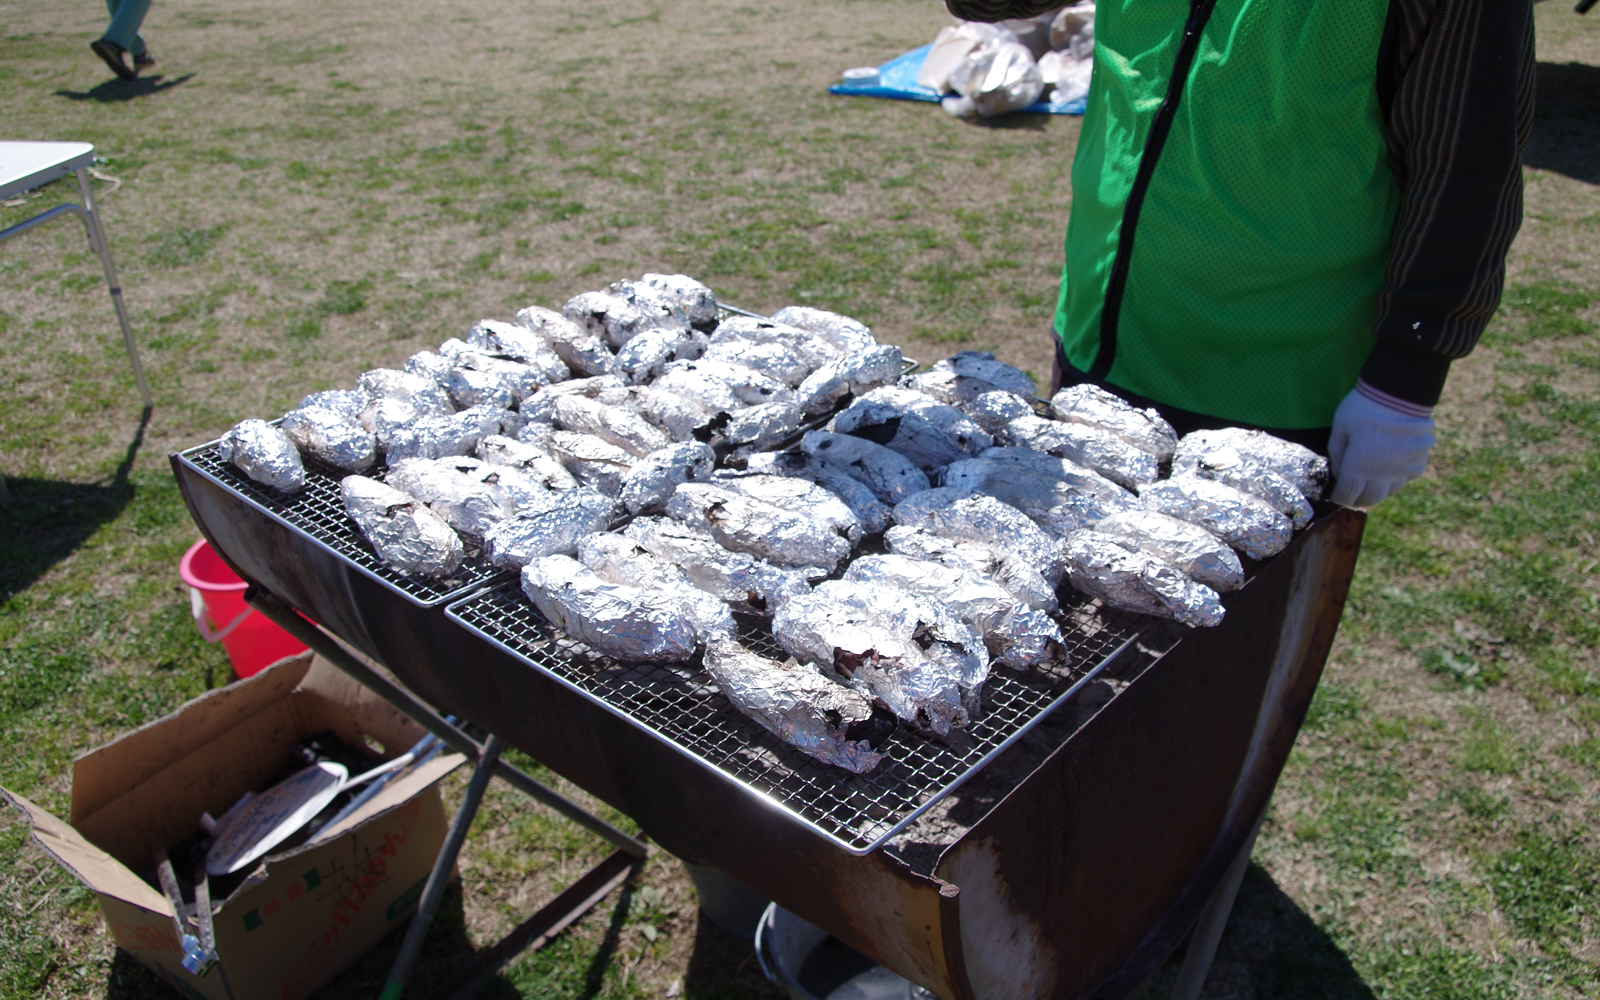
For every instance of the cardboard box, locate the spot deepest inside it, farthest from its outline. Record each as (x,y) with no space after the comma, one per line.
(304,915)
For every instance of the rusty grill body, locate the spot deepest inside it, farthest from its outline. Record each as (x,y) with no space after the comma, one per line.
(1077,883)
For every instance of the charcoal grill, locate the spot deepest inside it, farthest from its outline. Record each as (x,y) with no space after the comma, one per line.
(1077,881)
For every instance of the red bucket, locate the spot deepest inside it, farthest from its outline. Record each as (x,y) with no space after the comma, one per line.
(216,593)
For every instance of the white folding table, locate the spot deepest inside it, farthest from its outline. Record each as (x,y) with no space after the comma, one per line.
(27,165)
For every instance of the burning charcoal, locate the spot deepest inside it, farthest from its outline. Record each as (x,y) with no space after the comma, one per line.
(1089,404)
(509,340)
(890,475)
(1302,467)
(1237,518)
(622,427)
(737,577)
(873,656)
(833,723)
(1117,572)
(649,483)
(722,386)
(758,428)
(774,360)
(1097,449)
(955,425)
(871,512)
(520,540)
(1191,548)
(981,365)
(1054,505)
(846,335)
(405,534)
(801,496)
(625,623)
(994,409)
(901,431)
(581,351)
(744,524)
(615,558)
(1226,465)
(813,351)
(332,437)
(1017,576)
(535,461)
(594,462)
(853,373)
(973,517)
(265,454)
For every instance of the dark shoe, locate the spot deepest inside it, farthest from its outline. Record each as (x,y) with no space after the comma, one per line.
(112,53)
(142,63)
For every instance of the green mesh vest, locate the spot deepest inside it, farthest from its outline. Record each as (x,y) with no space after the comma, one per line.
(1245,286)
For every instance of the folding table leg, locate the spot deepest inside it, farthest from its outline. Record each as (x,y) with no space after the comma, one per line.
(440,876)
(97,240)
(1213,921)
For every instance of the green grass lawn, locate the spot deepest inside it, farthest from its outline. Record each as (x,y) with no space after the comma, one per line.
(310,190)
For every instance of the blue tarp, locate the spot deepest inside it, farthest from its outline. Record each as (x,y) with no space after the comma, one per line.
(897,80)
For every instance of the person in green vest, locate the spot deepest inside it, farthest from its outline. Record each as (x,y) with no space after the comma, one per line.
(1293,216)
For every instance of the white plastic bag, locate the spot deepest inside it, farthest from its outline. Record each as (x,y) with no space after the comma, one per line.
(997,78)
(1069,22)
(951,46)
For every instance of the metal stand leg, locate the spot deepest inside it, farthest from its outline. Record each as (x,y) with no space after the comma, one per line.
(1213,920)
(440,876)
(97,240)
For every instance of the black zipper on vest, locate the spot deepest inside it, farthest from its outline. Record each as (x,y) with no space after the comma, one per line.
(1199,14)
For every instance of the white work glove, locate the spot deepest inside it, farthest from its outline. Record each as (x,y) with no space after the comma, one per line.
(1377,445)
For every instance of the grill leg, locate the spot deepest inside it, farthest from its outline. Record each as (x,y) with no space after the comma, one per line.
(440,876)
(1213,920)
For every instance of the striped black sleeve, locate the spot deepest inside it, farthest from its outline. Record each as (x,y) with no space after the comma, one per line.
(1456,81)
(1000,10)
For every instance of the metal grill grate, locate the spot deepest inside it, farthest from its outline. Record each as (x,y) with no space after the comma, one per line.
(318,513)
(679,705)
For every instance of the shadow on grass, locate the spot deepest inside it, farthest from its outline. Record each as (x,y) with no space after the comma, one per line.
(1566,121)
(1272,948)
(724,967)
(48,519)
(115,90)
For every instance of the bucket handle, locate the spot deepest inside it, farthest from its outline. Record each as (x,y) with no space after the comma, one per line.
(761,946)
(197,608)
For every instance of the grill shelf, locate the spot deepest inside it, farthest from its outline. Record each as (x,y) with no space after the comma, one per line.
(678,704)
(317,513)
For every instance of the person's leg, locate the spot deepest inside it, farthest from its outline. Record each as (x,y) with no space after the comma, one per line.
(126,17)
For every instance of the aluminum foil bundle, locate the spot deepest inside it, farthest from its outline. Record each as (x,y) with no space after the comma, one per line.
(994,409)
(649,483)
(737,577)
(541,407)
(348,403)
(1191,548)
(424,395)
(1089,404)
(621,426)
(1066,470)
(949,386)
(974,517)
(773,359)
(715,381)
(1056,506)
(744,524)
(536,462)
(441,437)
(699,305)
(818,716)
(848,374)
(519,540)
(944,636)
(624,623)
(888,474)
(759,428)
(521,491)
(1301,466)
(646,354)
(678,415)
(428,364)
(872,513)
(1228,466)
(265,454)
(491,336)
(617,319)
(874,657)
(519,380)
(1237,518)
(812,350)
(1089,446)
(331,436)
(981,365)
(845,335)
(616,558)
(581,351)
(454,489)
(593,462)
(995,79)
(957,426)
(1019,578)
(798,495)
(929,448)
(468,387)
(1118,573)
(405,534)
(1016,635)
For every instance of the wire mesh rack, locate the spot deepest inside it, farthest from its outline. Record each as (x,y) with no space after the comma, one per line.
(317,513)
(679,705)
